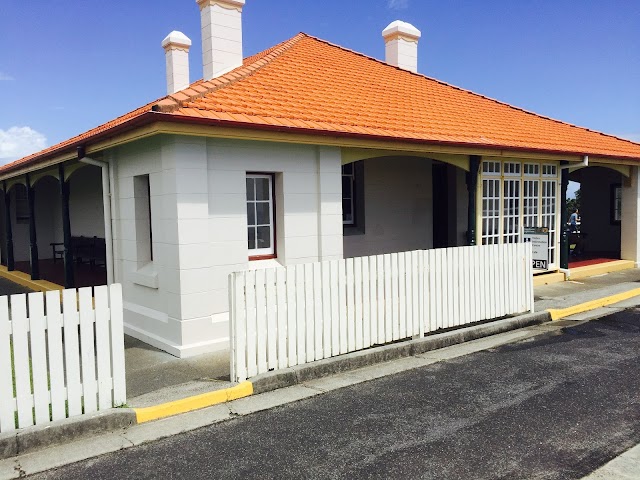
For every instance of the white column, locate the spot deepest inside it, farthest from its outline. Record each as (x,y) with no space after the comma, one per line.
(630,225)
(330,242)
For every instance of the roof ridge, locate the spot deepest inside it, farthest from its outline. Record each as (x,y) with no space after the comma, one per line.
(471,92)
(201,88)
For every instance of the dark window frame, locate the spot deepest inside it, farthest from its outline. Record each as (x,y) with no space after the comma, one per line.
(357,227)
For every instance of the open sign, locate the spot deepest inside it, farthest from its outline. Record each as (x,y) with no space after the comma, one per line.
(539,239)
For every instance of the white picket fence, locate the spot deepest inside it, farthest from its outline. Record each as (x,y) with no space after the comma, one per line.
(60,363)
(281,317)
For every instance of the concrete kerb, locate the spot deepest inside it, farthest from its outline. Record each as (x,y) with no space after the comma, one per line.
(302,373)
(38,437)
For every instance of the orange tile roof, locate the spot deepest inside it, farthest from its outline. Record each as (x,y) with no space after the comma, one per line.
(307,84)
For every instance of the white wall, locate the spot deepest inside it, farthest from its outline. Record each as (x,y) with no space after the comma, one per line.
(397,207)
(179,301)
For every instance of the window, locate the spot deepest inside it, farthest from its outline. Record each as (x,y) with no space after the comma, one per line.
(549,170)
(353,198)
(490,168)
(348,201)
(531,169)
(142,205)
(22,204)
(260,222)
(616,204)
(521,194)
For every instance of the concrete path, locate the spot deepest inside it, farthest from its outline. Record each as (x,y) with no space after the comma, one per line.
(624,467)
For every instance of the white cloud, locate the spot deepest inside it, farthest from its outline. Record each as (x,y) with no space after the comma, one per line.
(18,142)
(398,4)
(4,76)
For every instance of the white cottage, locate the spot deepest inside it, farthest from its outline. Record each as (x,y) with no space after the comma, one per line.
(304,152)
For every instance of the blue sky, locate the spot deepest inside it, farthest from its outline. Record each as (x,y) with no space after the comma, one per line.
(67,66)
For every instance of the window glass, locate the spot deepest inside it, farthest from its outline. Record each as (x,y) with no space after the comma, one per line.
(348,180)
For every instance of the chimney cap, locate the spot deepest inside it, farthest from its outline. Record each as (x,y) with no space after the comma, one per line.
(229,3)
(403,29)
(176,39)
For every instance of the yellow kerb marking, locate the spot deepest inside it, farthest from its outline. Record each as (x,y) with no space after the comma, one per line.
(558,313)
(185,405)
(24,279)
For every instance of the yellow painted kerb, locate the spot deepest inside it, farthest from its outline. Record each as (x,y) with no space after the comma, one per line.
(558,313)
(185,405)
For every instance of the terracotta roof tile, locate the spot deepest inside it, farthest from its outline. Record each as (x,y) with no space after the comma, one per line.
(310,84)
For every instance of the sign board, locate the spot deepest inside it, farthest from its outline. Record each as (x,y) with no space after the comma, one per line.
(539,238)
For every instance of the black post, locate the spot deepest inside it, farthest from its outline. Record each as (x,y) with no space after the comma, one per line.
(69,279)
(564,236)
(7,226)
(472,187)
(33,240)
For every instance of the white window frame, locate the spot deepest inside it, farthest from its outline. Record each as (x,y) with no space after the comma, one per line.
(530,173)
(256,253)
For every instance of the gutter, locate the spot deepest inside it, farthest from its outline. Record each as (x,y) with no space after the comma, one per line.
(153,116)
(107,185)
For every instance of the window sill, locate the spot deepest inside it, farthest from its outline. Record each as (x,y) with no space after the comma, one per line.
(264,263)
(145,276)
(350,230)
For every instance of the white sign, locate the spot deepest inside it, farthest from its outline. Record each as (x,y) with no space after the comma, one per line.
(539,238)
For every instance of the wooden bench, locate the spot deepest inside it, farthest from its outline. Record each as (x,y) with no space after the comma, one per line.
(91,250)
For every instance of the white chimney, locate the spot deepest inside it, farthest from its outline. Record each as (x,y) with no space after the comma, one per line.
(176,47)
(221,36)
(401,41)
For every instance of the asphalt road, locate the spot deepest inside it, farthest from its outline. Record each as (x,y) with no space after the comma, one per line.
(7,287)
(555,407)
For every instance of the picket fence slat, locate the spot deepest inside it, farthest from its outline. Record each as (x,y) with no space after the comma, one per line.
(117,345)
(335,307)
(281,293)
(103,347)
(357,290)
(21,360)
(7,421)
(37,327)
(302,313)
(272,319)
(366,305)
(261,326)
(309,312)
(318,314)
(373,299)
(380,304)
(292,327)
(327,312)
(87,353)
